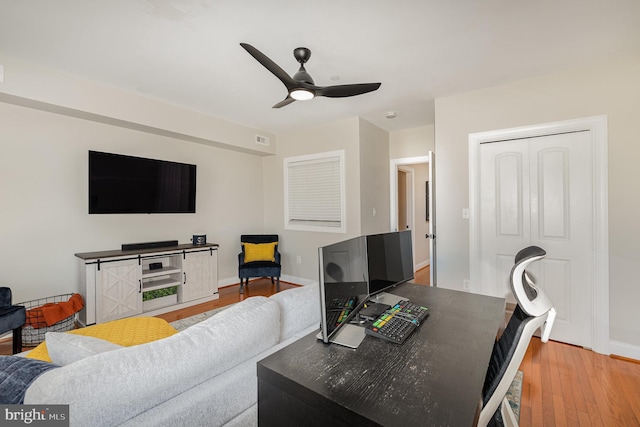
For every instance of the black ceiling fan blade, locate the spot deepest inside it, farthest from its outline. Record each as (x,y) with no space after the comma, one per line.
(288,100)
(270,65)
(341,91)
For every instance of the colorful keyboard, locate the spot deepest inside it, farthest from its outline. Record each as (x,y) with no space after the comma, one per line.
(398,322)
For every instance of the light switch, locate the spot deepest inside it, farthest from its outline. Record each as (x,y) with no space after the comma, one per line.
(465,213)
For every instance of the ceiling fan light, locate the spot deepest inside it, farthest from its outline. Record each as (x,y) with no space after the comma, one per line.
(301,94)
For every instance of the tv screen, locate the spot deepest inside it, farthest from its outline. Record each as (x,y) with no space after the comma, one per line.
(343,283)
(389,260)
(120,184)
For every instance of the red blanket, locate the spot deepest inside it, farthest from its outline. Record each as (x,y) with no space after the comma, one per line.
(51,313)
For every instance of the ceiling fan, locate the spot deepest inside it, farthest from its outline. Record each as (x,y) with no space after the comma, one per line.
(301,87)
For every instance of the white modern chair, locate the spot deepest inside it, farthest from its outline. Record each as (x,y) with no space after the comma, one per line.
(534,310)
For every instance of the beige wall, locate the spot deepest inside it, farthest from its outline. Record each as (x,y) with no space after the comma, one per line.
(46,89)
(609,88)
(342,135)
(374,179)
(416,142)
(367,187)
(44,190)
(413,142)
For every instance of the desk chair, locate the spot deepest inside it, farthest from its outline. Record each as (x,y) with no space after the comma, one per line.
(259,258)
(12,318)
(534,310)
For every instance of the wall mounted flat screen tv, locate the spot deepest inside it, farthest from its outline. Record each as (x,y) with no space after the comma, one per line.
(120,184)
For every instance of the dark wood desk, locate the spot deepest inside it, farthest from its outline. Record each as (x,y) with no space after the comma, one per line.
(434,379)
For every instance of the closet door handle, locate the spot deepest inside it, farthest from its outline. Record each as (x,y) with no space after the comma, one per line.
(185,278)
(140,289)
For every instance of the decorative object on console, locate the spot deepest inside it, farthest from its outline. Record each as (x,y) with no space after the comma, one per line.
(12,318)
(199,239)
(259,258)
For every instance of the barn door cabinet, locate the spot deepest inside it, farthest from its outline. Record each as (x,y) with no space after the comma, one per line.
(118,284)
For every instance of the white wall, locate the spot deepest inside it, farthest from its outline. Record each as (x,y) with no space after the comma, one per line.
(43,193)
(611,88)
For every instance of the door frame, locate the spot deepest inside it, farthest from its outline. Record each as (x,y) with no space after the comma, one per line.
(597,125)
(395,165)
(409,196)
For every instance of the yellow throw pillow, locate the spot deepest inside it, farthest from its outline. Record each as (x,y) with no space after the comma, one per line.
(260,252)
(124,332)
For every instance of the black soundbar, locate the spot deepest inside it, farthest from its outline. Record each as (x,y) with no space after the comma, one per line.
(148,245)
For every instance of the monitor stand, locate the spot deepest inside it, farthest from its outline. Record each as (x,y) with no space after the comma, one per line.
(385,298)
(348,336)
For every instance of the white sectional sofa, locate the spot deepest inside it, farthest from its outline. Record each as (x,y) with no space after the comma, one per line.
(204,375)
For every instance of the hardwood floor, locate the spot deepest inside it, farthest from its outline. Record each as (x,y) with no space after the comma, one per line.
(563,385)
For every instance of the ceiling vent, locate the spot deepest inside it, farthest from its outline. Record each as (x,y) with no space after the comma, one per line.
(262,140)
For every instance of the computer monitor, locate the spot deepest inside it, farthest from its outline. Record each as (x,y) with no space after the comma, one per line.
(343,284)
(389,260)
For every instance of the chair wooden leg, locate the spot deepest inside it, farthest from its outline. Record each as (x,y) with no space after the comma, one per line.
(241,285)
(17,340)
(278,284)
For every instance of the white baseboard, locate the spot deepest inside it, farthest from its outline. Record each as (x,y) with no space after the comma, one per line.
(421,265)
(298,280)
(624,349)
(285,278)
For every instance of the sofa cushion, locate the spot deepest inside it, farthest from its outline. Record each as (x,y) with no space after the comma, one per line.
(67,348)
(299,309)
(110,388)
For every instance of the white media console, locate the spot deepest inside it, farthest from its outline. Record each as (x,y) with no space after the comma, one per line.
(124,283)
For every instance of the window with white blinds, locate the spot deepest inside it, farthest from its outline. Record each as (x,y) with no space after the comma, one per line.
(314,192)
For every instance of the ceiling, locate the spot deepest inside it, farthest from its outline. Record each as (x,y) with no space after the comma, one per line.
(187,52)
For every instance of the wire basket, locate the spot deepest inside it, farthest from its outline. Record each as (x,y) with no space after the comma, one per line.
(33,336)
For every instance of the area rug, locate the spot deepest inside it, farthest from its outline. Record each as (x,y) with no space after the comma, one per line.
(182,324)
(514,394)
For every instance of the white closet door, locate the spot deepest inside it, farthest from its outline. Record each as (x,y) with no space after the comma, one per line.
(538,191)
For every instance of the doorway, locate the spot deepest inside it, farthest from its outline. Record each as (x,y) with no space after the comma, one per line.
(408,202)
(545,186)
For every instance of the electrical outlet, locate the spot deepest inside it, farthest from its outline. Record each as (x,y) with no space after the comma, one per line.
(298,259)
(466,285)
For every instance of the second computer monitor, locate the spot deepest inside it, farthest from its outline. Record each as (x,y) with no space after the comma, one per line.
(389,260)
